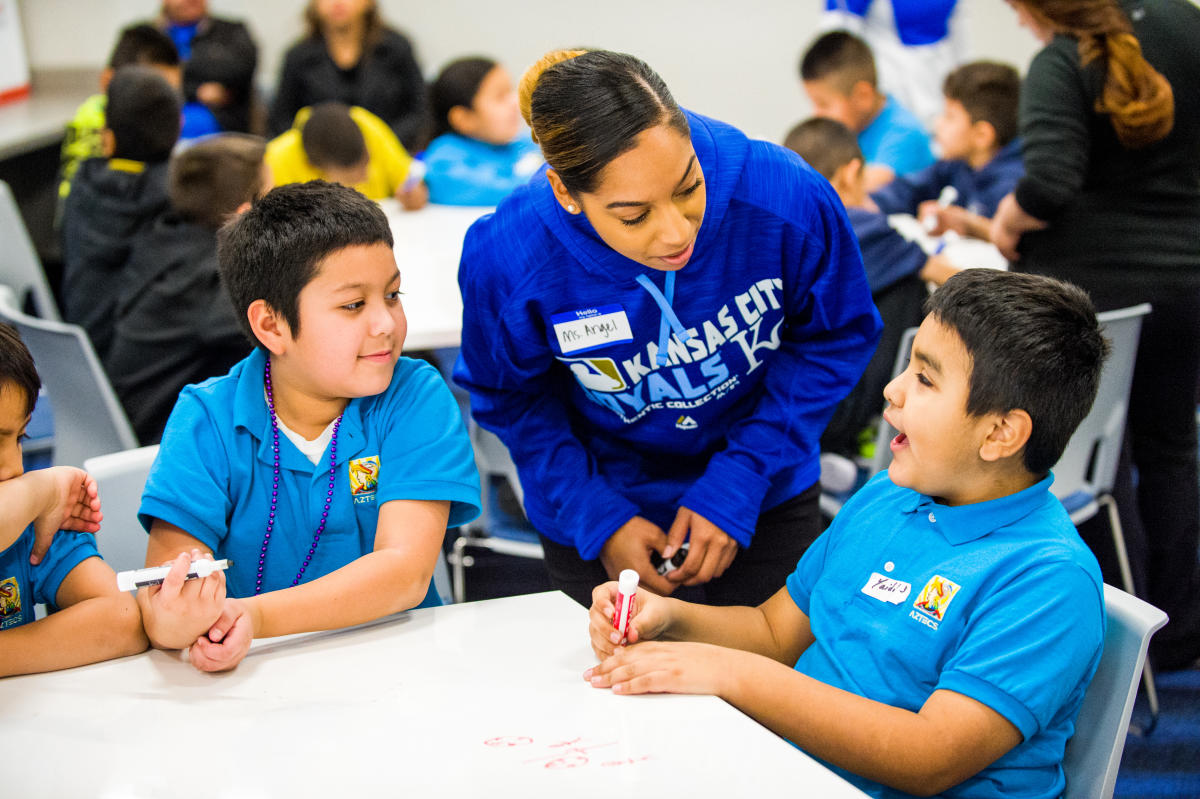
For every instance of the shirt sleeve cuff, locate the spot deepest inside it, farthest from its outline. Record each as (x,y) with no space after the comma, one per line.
(1001,702)
(152,509)
(601,513)
(1034,201)
(730,495)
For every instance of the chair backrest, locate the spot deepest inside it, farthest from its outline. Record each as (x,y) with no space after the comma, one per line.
(88,418)
(20,266)
(121,477)
(492,458)
(1094,753)
(883,438)
(1089,463)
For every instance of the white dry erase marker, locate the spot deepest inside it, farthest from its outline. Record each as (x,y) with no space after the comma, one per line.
(948,196)
(140,578)
(627,584)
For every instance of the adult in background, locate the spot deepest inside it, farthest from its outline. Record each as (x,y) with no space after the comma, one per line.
(219,59)
(350,56)
(1110,117)
(658,326)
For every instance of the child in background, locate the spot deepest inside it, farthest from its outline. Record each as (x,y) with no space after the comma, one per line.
(479,154)
(897,272)
(137,44)
(347,145)
(940,635)
(114,197)
(981,154)
(838,72)
(46,554)
(174,322)
(352,459)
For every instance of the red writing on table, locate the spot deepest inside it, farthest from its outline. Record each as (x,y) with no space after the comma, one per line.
(573,753)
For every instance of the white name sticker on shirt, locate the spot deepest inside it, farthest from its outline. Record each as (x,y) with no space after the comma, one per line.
(886,589)
(591,328)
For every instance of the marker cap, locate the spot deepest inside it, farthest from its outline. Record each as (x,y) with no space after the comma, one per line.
(627,581)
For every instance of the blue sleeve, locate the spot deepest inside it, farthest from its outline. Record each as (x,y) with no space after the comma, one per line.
(905,150)
(455,178)
(189,484)
(887,256)
(427,455)
(506,364)
(829,333)
(67,551)
(1032,646)
(906,192)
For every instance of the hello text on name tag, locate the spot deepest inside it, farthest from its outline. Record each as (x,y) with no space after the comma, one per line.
(886,589)
(591,328)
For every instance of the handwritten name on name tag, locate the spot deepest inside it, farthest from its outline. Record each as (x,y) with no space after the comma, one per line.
(591,328)
(886,589)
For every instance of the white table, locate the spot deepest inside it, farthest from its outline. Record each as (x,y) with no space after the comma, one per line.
(428,247)
(40,119)
(479,699)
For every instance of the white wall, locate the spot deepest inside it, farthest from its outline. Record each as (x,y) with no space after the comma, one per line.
(731,60)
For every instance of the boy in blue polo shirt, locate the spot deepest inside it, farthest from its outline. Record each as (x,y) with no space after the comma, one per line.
(46,553)
(324,464)
(938,638)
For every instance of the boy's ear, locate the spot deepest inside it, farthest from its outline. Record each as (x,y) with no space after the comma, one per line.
(1008,435)
(561,194)
(848,177)
(105,79)
(983,136)
(863,95)
(108,142)
(269,327)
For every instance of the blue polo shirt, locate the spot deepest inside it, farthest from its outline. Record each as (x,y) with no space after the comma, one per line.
(22,585)
(213,474)
(896,138)
(999,601)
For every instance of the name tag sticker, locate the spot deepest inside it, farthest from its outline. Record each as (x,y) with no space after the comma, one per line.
(591,328)
(885,589)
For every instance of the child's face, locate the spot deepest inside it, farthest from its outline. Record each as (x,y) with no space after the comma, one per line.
(953,131)
(937,451)
(13,419)
(854,109)
(494,116)
(352,325)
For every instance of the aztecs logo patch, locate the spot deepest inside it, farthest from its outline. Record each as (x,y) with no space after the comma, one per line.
(364,476)
(10,603)
(936,597)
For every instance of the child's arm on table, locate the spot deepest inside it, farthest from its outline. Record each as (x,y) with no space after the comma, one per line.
(179,611)
(956,218)
(96,621)
(392,578)
(951,738)
(58,498)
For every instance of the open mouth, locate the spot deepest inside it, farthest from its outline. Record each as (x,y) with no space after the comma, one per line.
(680,258)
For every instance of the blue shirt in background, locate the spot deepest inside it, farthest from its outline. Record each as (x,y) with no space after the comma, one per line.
(183,35)
(896,138)
(999,601)
(212,477)
(979,190)
(887,256)
(23,585)
(460,170)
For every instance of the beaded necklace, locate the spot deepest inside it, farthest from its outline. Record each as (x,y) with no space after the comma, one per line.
(262,555)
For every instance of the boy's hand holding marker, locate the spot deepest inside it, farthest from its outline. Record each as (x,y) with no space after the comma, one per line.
(180,611)
(648,618)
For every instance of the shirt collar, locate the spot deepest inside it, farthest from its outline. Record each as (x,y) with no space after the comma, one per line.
(961,524)
(250,414)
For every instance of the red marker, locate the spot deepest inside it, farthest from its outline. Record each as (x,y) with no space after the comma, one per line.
(627,584)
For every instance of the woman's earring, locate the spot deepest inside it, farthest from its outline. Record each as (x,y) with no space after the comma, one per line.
(571,209)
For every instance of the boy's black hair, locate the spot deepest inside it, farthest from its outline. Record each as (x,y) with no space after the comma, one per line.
(16,366)
(841,58)
(989,92)
(275,249)
(456,84)
(143,113)
(143,44)
(331,137)
(826,144)
(1035,345)
(208,180)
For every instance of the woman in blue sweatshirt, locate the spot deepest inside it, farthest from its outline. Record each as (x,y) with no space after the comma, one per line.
(659,328)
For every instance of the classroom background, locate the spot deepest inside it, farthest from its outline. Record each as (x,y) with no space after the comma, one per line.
(735,62)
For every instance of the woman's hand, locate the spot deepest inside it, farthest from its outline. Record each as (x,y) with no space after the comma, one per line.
(672,668)
(630,547)
(1009,224)
(710,553)
(651,618)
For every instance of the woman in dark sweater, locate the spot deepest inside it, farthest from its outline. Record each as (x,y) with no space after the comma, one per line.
(1110,117)
(350,56)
